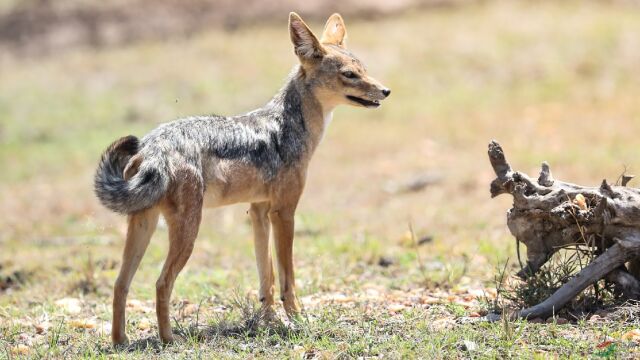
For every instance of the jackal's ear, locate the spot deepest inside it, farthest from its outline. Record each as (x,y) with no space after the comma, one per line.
(335,33)
(305,44)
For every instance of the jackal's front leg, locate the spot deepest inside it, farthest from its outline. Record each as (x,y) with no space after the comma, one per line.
(260,220)
(283,226)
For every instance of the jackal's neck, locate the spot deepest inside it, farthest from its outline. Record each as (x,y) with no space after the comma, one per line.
(298,100)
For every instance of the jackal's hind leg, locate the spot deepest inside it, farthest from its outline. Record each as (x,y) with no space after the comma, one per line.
(183,217)
(141,228)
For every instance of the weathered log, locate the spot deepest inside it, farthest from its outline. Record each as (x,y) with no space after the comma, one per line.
(548,215)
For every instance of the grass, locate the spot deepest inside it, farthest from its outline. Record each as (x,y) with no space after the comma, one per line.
(339,332)
(558,84)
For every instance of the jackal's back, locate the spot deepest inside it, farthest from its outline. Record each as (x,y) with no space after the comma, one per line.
(268,139)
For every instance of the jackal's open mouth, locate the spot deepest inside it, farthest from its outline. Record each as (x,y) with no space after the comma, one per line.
(364,102)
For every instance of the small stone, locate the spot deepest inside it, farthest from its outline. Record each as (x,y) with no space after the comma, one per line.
(144,324)
(442,324)
(70,305)
(394,308)
(632,335)
(469,346)
(20,349)
(82,324)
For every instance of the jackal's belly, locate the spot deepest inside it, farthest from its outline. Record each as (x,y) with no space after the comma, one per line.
(230,182)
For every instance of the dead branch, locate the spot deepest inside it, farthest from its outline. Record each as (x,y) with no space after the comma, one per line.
(548,215)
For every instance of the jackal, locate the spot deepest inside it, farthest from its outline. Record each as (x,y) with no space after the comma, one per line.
(260,158)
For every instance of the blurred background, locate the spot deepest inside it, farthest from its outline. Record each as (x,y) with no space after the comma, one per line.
(551,80)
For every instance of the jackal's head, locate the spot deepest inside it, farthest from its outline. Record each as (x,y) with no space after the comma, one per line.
(337,76)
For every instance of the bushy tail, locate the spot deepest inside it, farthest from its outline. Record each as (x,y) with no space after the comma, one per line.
(141,191)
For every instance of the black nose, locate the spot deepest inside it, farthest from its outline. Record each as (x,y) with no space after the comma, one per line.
(386,92)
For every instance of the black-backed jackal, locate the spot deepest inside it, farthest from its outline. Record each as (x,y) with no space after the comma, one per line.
(260,158)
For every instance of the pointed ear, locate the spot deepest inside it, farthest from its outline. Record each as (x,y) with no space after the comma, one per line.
(335,33)
(305,44)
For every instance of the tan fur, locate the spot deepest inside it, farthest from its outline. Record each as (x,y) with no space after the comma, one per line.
(335,32)
(132,166)
(273,203)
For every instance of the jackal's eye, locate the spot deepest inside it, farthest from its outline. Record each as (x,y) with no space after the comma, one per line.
(349,75)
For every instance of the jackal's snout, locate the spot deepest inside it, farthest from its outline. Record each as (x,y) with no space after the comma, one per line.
(369,93)
(383,91)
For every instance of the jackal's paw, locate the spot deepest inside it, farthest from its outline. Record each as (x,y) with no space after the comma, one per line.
(294,314)
(268,313)
(292,309)
(166,339)
(120,341)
